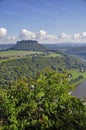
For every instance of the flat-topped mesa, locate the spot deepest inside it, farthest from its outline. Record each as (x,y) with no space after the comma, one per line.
(30,45)
(27,41)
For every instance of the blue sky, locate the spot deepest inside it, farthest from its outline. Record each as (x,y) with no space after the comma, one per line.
(44,20)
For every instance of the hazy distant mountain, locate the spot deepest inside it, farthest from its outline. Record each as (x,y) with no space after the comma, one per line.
(57,46)
(77,49)
(5,46)
(30,45)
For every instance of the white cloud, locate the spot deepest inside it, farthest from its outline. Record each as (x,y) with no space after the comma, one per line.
(42,36)
(76,36)
(3,32)
(52,37)
(83,34)
(63,36)
(26,34)
(8,39)
(80,37)
(45,37)
(12,38)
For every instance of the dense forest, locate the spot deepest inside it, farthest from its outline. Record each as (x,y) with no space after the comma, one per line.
(41,104)
(11,70)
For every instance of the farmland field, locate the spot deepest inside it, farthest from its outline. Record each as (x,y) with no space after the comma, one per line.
(13,54)
(17,53)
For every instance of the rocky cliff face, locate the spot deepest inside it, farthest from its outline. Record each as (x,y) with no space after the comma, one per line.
(30,45)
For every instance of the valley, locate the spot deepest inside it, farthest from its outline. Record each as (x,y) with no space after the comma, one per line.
(42,64)
(39,77)
(18,62)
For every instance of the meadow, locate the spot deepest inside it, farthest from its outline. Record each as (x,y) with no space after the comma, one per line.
(11,53)
(14,54)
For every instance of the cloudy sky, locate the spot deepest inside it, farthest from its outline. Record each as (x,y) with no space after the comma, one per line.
(48,21)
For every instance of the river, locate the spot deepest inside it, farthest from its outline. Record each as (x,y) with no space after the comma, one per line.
(80,90)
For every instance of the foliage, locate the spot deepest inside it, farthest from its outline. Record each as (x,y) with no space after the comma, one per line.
(13,69)
(41,104)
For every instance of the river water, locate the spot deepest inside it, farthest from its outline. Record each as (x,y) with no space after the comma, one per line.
(80,90)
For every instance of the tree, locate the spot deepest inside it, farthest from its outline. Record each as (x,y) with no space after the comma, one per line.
(45,106)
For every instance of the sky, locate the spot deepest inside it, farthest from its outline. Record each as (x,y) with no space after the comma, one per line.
(47,21)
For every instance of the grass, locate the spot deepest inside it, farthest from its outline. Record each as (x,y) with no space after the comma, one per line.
(17,53)
(14,54)
(9,55)
(53,54)
(21,53)
(75,74)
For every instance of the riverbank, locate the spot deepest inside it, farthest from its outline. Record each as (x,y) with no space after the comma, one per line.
(80,90)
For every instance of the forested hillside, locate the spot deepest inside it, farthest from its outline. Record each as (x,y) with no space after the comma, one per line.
(30,66)
(41,104)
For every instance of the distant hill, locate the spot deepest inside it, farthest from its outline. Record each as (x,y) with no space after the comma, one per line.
(5,46)
(30,45)
(78,49)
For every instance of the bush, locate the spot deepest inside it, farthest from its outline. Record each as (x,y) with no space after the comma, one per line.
(46,106)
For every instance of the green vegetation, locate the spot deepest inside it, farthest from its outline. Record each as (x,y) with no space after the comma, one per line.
(15,54)
(53,54)
(32,64)
(35,98)
(41,104)
(76,75)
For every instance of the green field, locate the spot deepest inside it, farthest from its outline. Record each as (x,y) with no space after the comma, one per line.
(18,53)
(53,54)
(75,74)
(11,54)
